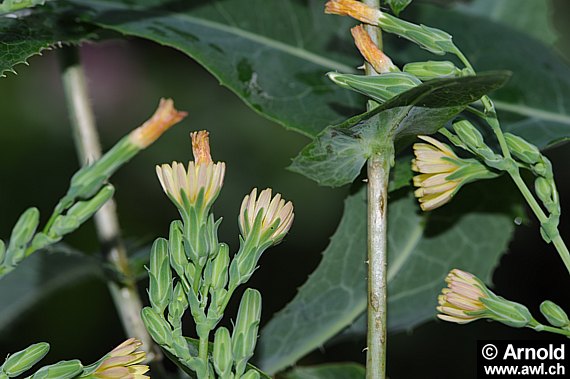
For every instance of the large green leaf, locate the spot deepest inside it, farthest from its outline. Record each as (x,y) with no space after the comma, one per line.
(39,276)
(422,248)
(339,152)
(328,371)
(22,38)
(528,16)
(272,54)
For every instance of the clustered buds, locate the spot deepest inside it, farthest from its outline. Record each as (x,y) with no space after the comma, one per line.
(199,185)
(467,299)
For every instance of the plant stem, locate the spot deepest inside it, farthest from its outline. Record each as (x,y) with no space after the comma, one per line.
(544,328)
(378,170)
(124,293)
(378,174)
(490,116)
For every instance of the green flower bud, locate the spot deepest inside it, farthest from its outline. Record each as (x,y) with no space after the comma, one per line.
(251,374)
(22,234)
(222,355)
(64,225)
(469,134)
(244,337)
(220,268)
(432,69)
(543,189)
(42,240)
(60,370)
(177,306)
(379,87)
(83,210)
(523,150)
(507,312)
(160,276)
(2,251)
(23,360)
(178,258)
(554,314)
(157,326)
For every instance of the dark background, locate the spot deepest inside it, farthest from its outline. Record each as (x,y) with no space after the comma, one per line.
(126,79)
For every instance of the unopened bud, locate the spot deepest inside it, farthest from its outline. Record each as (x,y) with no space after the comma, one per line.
(244,336)
(220,267)
(177,306)
(23,360)
(378,87)
(83,210)
(507,312)
(469,134)
(222,355)
(178,258)
(160,276)
(157,326)
(432,70)
(543,189)
(2,251)
(554,314)
(251,374)
(60,370)
(22,234)
(523,150)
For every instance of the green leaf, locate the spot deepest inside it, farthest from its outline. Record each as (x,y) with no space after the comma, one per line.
(338,153)
(535,104)
(422,248)
(328,371)
(528,16)
(398,5)
(272,54)
(39,276)
(22,38)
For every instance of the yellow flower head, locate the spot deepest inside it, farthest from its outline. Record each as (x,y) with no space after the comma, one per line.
(163,118)
(435,161)
(199,184)
(370,51)
(122,363)
(461,302)
(268,218)
(354,9)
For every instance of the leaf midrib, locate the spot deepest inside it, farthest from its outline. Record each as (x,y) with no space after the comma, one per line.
(262,40)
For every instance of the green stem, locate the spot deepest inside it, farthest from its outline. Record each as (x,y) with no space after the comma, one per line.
(378,170)
(490,116)
(203,352)
(124,294)
(543,328)
(378,175)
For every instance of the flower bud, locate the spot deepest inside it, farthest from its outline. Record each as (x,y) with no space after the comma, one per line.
(523,150)
(244,337)
(178,259)
(251,374)
(469,134)
(220,268)
(22,234)
(222,355)
(432,70)
(177,306)
(60,370)
(157,326)
(442,173)
(23,360)
(507,312)
(198,186)
(2,251)
(160,276)
(543,189)
(83,210)
(554,314)
(265,219)
(378,87)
